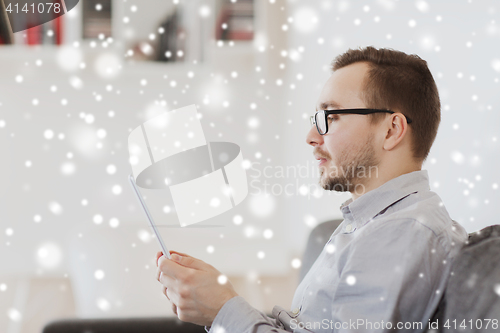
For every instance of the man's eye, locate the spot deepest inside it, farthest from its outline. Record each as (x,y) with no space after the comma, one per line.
(332,118)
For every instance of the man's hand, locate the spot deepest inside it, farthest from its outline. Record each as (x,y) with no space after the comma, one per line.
(196,289)
(163,288)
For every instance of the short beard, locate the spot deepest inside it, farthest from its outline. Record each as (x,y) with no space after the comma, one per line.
(351,169)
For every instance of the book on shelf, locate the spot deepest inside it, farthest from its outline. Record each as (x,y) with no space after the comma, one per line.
(97,18)
(171,40)
(169,46)
(235,21)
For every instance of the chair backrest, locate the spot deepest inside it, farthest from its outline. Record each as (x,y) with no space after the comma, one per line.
(473,289)
(317,240)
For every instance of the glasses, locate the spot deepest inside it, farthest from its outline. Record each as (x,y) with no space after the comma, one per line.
(320,119)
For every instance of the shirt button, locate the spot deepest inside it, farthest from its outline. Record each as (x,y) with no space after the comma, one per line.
(348,227)
(296,311)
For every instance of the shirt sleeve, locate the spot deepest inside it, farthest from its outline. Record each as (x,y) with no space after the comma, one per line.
(390,278)
(236,315)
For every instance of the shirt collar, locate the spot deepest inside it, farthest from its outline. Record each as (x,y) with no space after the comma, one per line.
(368,205)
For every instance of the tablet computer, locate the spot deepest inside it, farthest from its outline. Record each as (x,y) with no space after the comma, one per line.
(148,216)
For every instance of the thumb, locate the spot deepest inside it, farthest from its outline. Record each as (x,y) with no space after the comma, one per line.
(180,253)
(188,261)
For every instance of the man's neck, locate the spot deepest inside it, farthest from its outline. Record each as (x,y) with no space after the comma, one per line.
(377,179)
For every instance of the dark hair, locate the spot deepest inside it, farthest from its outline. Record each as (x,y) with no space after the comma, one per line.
(403,83)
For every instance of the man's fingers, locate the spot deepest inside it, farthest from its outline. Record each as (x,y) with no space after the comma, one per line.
(163,263)
(191,262)
(167,281)
(172,296)
(174,308)
(158,274)
(158,255)
(171,268)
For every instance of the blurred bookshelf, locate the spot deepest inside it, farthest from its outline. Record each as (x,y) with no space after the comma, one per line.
(157,31)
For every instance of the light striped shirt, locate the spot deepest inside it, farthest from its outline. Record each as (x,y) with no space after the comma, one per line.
(382,270)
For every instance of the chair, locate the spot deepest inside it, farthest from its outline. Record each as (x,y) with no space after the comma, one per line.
(472,294)
(122,325)
(315,243)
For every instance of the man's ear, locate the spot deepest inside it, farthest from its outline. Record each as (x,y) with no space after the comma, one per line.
(396,128)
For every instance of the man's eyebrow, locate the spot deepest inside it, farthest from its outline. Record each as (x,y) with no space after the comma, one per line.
(331,104)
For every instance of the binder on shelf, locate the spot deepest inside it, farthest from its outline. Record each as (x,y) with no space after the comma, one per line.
(34,31)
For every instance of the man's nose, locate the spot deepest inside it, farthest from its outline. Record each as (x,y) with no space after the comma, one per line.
(313,138)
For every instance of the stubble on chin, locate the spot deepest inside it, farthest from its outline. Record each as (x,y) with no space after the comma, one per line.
(334,179)
(343,177)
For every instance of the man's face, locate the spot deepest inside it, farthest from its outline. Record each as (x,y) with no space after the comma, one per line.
(346,153)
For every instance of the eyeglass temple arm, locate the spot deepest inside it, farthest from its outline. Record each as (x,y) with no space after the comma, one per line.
(367,111)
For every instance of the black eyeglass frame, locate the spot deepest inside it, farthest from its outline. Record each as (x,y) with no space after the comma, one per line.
(352,111)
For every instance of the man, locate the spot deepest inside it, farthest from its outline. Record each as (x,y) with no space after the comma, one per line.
(385,266)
